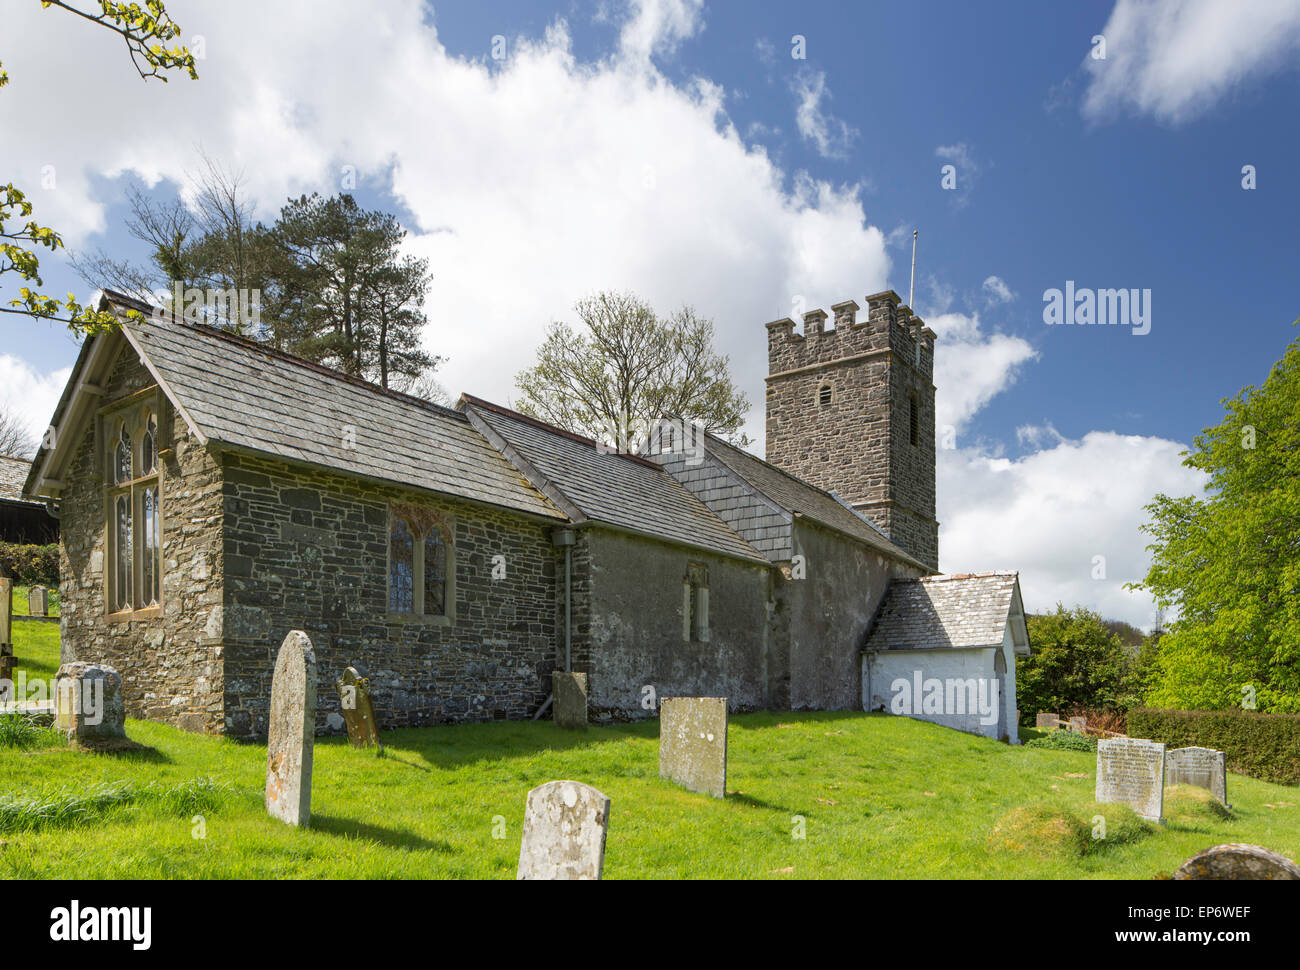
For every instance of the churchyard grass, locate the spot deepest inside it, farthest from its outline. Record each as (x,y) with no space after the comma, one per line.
(20,601)
(878,796)
(36,646)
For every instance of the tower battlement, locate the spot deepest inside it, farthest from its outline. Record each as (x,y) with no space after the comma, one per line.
(851,410)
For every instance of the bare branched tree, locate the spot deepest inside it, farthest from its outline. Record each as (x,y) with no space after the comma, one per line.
(15,440)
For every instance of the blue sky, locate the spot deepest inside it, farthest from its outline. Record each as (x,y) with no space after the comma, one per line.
(678,149)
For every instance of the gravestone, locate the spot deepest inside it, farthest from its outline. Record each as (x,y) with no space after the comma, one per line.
(565,823)
(1203,767)
(38,601)
(358,710)
(570,693)
(291,731)
(88,703)
(1131,771)
(6,617)
(1046,720)
(693,743)
(1237,860)
(1079,725)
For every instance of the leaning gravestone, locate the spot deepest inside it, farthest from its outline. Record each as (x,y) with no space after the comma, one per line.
(38,601)
(88,703)
(693,743)
(570,693)
(1079,725)
(1237,860)
(1046,721)
(358,710)
(1203,767)
(291,731)
(1132,771)
(565,823)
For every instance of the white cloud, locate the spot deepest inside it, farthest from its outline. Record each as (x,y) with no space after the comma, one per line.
(1050,513)
(831,135)
(998,291)
(1174,59)
(966,170)
(28,395)
(971,366)
(531,182)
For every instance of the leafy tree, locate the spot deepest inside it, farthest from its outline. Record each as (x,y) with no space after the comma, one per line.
(629,368)
(1076,662)
(146,28)
(1230,561)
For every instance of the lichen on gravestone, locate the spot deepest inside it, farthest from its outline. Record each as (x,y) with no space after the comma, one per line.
(291,731)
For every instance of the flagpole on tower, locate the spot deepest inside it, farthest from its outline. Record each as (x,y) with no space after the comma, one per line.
(911,291)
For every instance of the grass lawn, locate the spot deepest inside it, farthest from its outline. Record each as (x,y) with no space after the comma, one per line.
(880,797)
(21,605)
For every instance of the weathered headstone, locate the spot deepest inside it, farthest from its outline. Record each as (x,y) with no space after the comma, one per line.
(570,693)
(38,601)
(1237,860)
(693,743)
(1132,771)
(6,615)
(1203,767)
(291,731)
(88,703)
(1046,721)
(565,823)
(1079,725)
(358,710)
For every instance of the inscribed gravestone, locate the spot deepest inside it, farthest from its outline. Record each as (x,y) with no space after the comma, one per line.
(693,743)
(1237,860)
(1203,767)
(358,709)
(565,823)
(88,703)
(1046,720)
(291,731)
(38,601)
(1079,725)
(570,693)
(1132,771)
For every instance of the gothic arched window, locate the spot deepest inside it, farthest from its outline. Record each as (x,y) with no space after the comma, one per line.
(133,567)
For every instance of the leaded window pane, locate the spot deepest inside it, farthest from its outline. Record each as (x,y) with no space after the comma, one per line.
(435,574)
(149,556)
(401,568)
(149,448)
(122,585)
(122,457)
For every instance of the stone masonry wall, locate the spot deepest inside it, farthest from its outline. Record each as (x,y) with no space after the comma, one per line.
(307,549)
(170,660)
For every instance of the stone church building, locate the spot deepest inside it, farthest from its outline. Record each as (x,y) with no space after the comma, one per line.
(215,494)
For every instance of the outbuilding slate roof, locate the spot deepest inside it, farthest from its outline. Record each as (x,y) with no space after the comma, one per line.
(621,490)
(942,612)
(13,474)
(797,496)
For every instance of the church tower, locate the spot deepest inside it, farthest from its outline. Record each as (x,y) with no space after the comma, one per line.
(851,410)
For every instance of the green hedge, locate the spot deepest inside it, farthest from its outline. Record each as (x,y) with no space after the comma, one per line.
(30,565)
(1263,746)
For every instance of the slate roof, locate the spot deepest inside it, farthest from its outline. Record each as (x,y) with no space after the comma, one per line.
(246,395)
(13,475)
(938,612)
(621,490)
(795,495)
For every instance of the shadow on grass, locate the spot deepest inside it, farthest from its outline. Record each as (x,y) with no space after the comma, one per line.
(394,838)
(123,749)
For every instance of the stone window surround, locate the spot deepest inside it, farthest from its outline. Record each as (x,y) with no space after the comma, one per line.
(134,411)
(825,394)
(445,524)
(695,603)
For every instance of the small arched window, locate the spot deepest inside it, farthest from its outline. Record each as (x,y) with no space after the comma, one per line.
(824,395)
(421,562)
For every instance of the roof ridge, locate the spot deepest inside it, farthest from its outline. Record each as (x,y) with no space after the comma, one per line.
(988,574)
(168,317)
(479,402)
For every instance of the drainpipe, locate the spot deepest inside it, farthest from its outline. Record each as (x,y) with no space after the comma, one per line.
(564,538)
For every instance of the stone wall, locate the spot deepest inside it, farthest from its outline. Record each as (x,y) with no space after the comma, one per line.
(829,612)
(633,618)
(170,660)
(859,443)
(308,549)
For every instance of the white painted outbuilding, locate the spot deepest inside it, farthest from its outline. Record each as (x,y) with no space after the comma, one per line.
(944,649)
